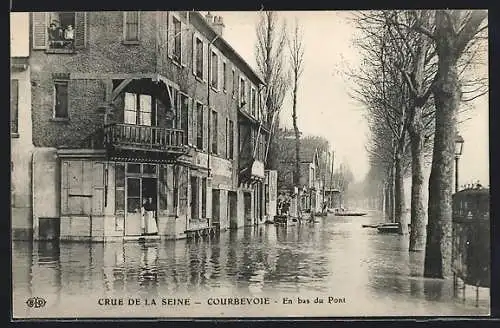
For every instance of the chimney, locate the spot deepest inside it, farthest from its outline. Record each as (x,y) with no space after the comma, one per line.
(209,18)
(218,25)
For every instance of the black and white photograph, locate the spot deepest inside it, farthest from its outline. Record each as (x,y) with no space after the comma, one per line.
(249,164)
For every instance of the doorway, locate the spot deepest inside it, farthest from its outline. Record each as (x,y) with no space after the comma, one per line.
(247,202)
(232,209)
(216,206)
(195,207)
(138,189)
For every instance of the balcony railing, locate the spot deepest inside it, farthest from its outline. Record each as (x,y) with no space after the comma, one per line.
(142,137)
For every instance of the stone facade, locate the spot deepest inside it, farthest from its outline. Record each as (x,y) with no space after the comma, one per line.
(95,73)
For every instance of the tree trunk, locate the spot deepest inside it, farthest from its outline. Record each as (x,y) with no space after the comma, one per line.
(390,198)
(439,228)
(399,201)
(297,135)
(417,232)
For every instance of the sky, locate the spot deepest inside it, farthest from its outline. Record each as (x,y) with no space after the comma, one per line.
(324,107)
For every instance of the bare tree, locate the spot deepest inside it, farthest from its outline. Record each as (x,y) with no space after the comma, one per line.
(271,64)
(296,49)
(454,30)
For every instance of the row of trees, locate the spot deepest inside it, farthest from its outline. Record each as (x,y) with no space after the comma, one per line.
(419,69)
(280,61)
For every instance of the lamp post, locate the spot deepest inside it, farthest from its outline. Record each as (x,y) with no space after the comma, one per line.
(459,144)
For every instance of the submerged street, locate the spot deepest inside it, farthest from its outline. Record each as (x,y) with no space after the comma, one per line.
(363,272)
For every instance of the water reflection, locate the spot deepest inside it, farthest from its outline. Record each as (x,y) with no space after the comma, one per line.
(336,256)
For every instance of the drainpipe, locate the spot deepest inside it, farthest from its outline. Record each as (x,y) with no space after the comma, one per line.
(209,82)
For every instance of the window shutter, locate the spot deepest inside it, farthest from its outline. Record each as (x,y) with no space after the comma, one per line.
(194,53)
(190,122)
(194,126)
(98,177)
(220,68)
(184,44)
(205,128)
(39,26)
(205,61)
(170,35)
(80,30)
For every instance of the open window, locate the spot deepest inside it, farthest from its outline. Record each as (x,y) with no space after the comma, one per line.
(64,31)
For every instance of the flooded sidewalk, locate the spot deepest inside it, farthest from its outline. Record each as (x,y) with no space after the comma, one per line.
(354,271)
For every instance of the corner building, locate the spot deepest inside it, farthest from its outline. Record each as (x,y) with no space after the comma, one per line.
(134,105)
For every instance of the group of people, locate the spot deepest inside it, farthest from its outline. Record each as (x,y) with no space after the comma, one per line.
(59,35)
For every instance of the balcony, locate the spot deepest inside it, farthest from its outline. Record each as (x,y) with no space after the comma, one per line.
(145,139)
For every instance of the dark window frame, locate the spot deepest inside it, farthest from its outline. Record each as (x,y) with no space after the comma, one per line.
(127,39)
(55,114)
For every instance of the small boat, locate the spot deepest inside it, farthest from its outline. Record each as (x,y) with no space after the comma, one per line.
(350,213)
(388,227)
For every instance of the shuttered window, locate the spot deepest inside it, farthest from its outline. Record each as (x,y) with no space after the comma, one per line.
(61,99)
(215,132)
(177,39)
(131,26)
(63,31)
(14,105)
(199,127)
(231,139)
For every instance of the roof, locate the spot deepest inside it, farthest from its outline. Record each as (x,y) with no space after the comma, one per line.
(306,153)
(227,46)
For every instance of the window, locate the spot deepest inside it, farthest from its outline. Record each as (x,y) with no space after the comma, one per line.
(138,109)
(224,76)
(14,105)
(214,78)
(199,128)
(242,91)
(131,26)
(215,132)
(234,83)
(177,39)
(227,138)
(184,116)
(119,188)
(199,58)
(253,101)
(61,99)
(204,197)
(61,30)
(231,139)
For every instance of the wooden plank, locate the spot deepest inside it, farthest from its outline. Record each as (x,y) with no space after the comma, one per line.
(120,88)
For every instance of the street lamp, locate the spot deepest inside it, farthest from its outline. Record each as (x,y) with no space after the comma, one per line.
(459,145)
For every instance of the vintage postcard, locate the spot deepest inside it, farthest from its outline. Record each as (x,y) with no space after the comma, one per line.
(189,164)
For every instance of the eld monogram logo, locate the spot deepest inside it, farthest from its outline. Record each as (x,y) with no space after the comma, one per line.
(36,302)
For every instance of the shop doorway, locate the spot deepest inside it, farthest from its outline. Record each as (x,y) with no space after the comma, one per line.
(247,202)
(216,206)
(139,189)
(195,204)
(232,209)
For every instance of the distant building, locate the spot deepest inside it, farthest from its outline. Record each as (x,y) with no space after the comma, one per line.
(311,180)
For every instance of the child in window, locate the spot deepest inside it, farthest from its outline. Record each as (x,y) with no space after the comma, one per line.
(69,33)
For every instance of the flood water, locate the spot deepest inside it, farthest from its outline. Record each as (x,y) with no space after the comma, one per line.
(360,271)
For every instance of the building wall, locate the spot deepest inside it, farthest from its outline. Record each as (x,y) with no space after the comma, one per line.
(46,187)
(104,52)
(21,156)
